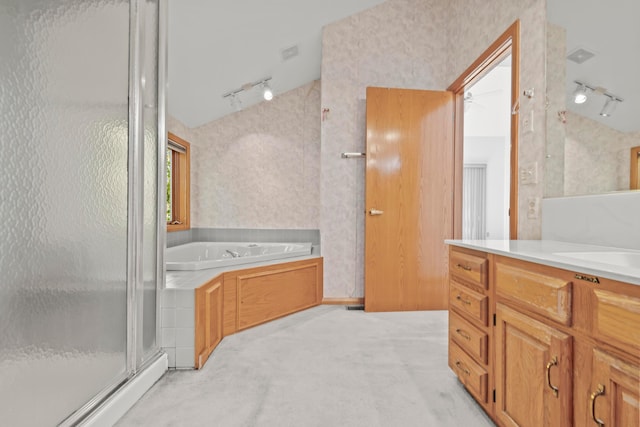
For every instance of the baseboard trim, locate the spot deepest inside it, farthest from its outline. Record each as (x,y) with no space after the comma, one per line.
(342,301)
(118,404)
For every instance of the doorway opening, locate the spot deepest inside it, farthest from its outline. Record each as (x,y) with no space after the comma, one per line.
(486,133)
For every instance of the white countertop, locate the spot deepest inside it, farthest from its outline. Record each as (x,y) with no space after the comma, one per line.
(549,252)
(191,279)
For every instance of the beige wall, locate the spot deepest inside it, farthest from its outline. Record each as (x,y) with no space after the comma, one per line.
(400,43)
(421,44)
(258,168)
(597,157)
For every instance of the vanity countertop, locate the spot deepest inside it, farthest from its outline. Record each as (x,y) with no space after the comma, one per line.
(608,262)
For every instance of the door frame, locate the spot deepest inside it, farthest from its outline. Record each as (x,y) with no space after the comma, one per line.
(507,43)
(635,161)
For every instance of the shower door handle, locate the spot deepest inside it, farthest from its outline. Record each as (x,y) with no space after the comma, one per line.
(373,212)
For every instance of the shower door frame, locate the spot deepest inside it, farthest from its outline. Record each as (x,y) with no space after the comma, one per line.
(135,242)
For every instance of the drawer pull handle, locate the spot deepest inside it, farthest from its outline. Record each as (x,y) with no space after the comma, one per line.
(464,267)
(554,362)
(463,334)
(462,368)
(594,396)
(464,301)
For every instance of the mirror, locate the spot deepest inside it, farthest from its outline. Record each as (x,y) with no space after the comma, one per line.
(592,50)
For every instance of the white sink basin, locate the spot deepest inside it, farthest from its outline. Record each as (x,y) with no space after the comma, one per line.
(623,259)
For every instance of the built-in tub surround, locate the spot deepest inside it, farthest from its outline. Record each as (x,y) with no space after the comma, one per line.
(603,219)
(178,305)
(204,255)
(248,235)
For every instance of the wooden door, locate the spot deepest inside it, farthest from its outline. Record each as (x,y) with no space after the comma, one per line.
(614,398)
(533,360)
(409,199)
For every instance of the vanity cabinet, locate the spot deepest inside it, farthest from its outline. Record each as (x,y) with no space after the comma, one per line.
(562,347)
(533,371)
(469,330)
(615,393)
(531,352)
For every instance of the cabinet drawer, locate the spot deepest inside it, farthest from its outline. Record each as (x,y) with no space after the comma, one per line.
(469,268)
(472,375)
(617,317)
(469,302)
(540,293)
(467,336)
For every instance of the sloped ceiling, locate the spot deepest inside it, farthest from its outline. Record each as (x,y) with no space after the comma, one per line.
(218,46)
(610,30)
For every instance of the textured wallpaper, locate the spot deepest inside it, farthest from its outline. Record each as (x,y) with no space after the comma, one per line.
(421,44)
(399,43)
(260,167)
(556,135)
(597,157)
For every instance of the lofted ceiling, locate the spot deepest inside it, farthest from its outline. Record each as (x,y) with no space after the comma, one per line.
(218,46)
(611,31)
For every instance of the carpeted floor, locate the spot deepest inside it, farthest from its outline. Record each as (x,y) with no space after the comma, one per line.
(326,366)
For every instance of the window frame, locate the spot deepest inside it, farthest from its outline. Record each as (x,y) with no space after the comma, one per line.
(180,185)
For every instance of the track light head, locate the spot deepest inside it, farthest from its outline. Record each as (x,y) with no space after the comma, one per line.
(609,107)
(580,94)
(267,93)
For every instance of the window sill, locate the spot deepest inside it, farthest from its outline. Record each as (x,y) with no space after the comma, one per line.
(177,227)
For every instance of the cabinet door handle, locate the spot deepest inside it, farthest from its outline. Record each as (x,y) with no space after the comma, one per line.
(464,267)
(374,212)
(594,396)
(463,334)
(464,301)
(462,368)
(554,362)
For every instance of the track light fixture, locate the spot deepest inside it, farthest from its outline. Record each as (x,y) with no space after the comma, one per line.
(580,94)
(267,92)
(609,105)
(236,102)
(582,91)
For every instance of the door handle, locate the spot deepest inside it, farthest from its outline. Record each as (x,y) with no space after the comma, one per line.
(554,362)
(373,212)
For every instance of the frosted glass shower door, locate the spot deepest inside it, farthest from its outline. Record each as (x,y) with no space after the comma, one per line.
(64,128)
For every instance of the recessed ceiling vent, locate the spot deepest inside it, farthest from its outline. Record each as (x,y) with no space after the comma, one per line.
(580,55)
(289,53)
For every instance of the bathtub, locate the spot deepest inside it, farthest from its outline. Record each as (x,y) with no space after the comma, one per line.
(203,255)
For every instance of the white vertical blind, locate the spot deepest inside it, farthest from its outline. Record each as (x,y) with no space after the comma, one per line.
(474,202)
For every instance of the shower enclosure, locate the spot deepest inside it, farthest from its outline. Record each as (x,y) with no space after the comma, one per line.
(80,256)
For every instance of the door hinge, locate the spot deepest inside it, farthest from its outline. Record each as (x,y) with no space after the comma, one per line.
(494,395)
(494,319)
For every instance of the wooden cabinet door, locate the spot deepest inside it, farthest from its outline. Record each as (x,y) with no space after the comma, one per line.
(533,372)
(614,399)
(208,328)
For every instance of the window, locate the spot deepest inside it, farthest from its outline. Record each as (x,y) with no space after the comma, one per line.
(178,185)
